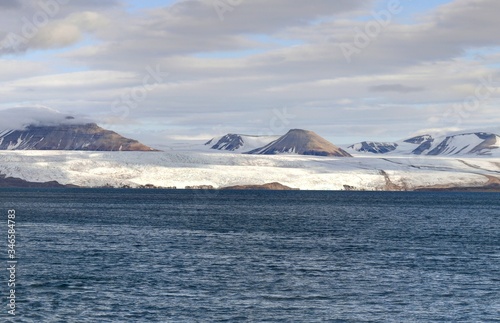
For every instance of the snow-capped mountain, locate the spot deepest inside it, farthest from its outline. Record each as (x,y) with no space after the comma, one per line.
(374,147)
(239,143)
(302,142)
(419,144)
(68,137)
(479,143)
(469,143)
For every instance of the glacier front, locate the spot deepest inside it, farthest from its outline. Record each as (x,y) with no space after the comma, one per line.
(193,168)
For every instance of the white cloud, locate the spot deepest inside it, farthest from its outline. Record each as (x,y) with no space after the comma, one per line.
(67,31)
(264,55)
(20,117)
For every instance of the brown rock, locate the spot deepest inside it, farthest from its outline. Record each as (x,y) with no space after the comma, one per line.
(270,187)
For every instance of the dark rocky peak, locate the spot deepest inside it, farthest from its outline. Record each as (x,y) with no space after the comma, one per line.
(88,136)
(302,142)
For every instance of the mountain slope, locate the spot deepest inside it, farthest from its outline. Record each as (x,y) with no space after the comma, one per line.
(479,143)
(374,147)
(236,142)
(459,144)
(301,142)
(68,137)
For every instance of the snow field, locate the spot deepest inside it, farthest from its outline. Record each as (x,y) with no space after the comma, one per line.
(182,169)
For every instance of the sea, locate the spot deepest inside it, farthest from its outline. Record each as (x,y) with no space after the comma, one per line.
(130,255)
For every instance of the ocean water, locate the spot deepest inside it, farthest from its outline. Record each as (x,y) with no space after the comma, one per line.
(195,256)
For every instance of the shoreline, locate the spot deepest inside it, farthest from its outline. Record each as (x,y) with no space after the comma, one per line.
(14,182)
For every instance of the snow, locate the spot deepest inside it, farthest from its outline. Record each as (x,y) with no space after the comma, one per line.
(497,144)
(459,144)
(249,142)
(189,168)
(254,142)
(4,133)
(15,145)
(405,148)
(356,147)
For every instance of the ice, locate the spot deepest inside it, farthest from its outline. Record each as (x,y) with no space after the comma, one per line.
(189,168)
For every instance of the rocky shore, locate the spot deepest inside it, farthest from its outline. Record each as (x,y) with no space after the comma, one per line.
(269,186)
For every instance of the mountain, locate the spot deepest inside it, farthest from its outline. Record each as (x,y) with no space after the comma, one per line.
(267,187)
(236,142)
(374,147)
(468,143)
(302,142)
(68,137)
(424,143)
(19,182)
(479,143)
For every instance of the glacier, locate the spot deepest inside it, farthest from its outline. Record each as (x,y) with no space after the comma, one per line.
(191,168)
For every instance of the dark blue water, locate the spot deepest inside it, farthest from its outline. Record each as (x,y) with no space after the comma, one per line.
(187,256)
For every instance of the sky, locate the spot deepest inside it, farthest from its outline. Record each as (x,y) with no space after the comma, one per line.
(173,70)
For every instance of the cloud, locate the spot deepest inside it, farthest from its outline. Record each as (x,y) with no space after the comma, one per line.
(271,15)
(192,26)
(20,118)
(10,4)
(436,132)
(50,24)
(445,33)
(13,69)
(398,88)
(263,55)
(67,31)
(92,4)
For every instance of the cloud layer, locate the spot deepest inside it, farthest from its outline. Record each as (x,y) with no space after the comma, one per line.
(190,68)
(21,117)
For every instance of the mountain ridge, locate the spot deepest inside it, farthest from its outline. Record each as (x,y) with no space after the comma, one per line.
(239,142)
(88,136)
(457,144)
(301,142)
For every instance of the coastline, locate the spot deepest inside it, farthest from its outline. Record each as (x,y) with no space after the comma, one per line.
(13,182)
